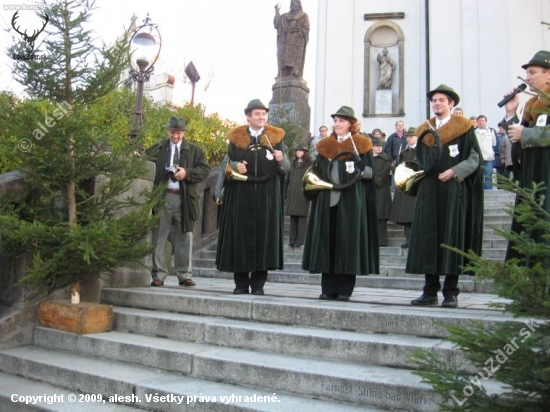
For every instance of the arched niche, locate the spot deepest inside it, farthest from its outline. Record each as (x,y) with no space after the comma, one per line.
(382,35)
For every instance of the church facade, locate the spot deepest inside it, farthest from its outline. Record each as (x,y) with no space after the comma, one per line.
(381,57)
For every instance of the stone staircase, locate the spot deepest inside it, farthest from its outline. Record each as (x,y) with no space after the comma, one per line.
(203,348)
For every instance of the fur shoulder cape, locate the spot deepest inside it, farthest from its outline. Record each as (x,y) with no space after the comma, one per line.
(240,137)
(535,106)
(456,127)
(330,146)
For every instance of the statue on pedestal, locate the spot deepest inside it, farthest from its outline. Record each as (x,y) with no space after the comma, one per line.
(385,66)
(292,37)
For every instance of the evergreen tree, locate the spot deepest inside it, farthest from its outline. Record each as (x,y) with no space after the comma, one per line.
(76,221)
(511,360)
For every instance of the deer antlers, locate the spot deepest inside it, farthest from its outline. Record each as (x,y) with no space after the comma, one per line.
(32,38)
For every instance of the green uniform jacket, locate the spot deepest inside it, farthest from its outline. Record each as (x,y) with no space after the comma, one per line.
(451,212)
(535,163)
(251,226)
(296,202)
(193,160)
(402,208)
(357,250)
(382,169)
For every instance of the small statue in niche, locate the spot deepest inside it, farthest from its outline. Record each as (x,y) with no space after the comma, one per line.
(385,67)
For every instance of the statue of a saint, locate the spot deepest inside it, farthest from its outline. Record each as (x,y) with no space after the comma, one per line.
(385,66)
(292,37)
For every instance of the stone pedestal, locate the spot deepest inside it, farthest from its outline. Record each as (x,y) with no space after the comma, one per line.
(383,102)
(82,318)
(290,102)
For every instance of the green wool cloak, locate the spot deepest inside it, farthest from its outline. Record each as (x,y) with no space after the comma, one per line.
(251,226)
(402,208)
(357,224)
(535,168)
(451,212)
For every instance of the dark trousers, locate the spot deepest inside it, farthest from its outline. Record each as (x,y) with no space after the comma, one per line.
(255,281)
(450,285)
(298,226)
(383,232)
(332,284)
(407,231)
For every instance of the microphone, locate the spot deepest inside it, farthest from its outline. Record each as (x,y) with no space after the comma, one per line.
(517,90)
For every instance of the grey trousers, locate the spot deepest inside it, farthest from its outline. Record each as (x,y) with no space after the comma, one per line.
(182,244)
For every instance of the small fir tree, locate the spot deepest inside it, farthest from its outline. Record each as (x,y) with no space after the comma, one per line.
(511,359)
(73,228)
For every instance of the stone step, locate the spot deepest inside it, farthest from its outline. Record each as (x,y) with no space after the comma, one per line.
(374,311)
(18,394)
(394,249)
(295,265)
(109,377)
(354,347)
(178,355)
(343,381)
(391,277)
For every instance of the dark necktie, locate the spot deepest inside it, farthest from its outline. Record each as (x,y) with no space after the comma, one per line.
(176,158)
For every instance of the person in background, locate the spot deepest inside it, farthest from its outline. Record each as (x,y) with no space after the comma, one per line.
(487,140)
(250,240)
(341,238)
(323,132)
(500,160)
(396,142)
(449,202)
(393,146)
(297,206)
(458,111)
(473,119)
(377,133)
(382,168)
(505,149)
(181,166)
(402,208)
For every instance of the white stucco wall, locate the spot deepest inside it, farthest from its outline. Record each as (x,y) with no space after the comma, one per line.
(476,46)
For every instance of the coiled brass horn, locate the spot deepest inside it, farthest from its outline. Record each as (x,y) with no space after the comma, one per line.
(232,175)
(407,175)
(312,183)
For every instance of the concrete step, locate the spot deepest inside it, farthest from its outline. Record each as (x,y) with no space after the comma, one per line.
(390,277)
(385,261)
(354,347)
(176,355)
(372,311)
(19,394)
(343,382)
(138,384)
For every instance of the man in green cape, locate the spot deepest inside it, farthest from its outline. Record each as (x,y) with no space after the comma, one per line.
(449,202)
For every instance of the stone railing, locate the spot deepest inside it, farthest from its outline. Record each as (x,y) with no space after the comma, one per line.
(18,302)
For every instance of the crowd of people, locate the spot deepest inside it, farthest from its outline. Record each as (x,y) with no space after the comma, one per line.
(339,222)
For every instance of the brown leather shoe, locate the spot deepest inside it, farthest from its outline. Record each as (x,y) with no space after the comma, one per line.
(187,282)
(157,282)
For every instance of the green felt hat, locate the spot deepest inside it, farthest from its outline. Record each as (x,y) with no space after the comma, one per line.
(176,124)
(345,111)
(411,131)
(255,104)
(540,59)
(443,88)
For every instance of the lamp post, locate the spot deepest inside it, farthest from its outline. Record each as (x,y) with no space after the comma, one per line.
(145,47)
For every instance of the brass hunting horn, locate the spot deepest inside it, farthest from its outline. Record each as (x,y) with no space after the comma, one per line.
(311,183)
(408,175)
